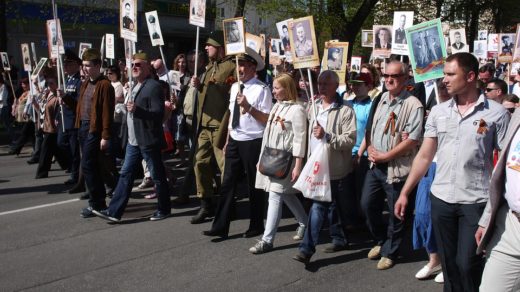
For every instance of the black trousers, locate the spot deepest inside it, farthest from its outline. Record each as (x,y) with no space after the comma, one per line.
(240,157)
(49,149)
(26,135)
(454,226)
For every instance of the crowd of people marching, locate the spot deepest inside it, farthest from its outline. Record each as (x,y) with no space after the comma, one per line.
(423,151)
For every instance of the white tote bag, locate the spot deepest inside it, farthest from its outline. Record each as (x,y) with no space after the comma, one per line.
(314,180)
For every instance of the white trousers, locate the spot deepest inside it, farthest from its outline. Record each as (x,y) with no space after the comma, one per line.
(274,213)
(502,270)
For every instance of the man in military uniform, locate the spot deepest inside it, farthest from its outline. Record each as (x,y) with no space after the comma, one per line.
(212,105)
(68,139)
(302,46)
(334,60)
(128,23)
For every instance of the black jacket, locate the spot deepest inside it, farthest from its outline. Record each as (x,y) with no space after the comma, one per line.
(148,115)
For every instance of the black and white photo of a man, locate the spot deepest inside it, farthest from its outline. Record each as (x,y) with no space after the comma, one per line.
(303,45)
(400,36)
(153,29)
(5,61)
(458,44)
(128,22)
(233,32)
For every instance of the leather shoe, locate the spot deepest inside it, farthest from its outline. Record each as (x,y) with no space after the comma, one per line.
(32,161)
(78,188)
(181,200)
(385,263)
(302,258)
(252,233)
(331,248)
(201,216)
(70,181)
(41,175)
(374,253)
(211,232)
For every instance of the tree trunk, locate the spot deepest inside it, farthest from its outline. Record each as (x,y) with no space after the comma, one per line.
(241,4)
(3,27)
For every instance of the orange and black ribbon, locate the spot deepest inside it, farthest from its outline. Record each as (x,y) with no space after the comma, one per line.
(281,121)
(482,127)
(390,123)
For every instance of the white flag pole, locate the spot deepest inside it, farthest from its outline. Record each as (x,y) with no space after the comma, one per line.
(197,53)
(59,65)
(315,113)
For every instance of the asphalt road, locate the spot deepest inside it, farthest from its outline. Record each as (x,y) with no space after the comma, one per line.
(46,246)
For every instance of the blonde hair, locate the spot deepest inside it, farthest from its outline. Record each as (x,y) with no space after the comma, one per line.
(287,82)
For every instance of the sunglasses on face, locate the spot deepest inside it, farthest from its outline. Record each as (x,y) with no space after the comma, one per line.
(490,89)
(136,65)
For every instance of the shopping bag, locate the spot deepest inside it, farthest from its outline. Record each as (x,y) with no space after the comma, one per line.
(314,180)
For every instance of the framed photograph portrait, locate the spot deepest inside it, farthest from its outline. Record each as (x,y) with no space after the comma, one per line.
(458,41)
(39,67)
(54,38)
(482,35)
(516,52)
(382,41)
(506,45)
(402,21)
(198,12)
(262,46)
(5,61)
(154,28)
(367,38)
(355,64)
(427,50)
(254,42)
(109,46)
(128,19)
(335,59)
(82,48)
(26,57)
(304,49)
(283,32)
(480,49)
(515,67)
(234,36)
(492,42)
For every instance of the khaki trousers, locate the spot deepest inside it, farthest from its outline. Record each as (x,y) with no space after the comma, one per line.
(204,171)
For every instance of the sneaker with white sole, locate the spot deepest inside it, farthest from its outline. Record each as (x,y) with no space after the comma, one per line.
(439,278)
(300,232)
(261,247)
(146,183)
(426,272)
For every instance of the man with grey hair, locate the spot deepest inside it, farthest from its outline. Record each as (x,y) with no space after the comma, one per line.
(390,158)
(335,125)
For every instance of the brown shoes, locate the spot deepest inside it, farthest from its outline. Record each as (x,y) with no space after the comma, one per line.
(375,252)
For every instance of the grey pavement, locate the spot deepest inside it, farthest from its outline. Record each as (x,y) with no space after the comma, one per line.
(46,246)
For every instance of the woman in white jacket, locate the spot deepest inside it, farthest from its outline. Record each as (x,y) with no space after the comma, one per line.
(286,130)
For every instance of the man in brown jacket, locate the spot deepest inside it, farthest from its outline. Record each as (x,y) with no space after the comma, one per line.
(94,117)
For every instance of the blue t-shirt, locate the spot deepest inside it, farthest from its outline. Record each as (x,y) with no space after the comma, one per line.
(362,110)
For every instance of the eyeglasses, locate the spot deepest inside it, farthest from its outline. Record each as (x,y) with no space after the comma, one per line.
(136,65)
(392,75)
(490,89)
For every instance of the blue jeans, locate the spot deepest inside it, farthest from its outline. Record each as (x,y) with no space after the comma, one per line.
(317,215)
(133,158)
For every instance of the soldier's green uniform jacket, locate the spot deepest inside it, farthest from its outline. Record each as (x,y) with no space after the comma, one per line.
(213,97)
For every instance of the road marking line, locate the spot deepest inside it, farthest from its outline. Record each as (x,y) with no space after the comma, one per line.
(38,207)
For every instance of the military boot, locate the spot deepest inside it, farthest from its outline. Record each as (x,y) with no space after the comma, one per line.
(206,211)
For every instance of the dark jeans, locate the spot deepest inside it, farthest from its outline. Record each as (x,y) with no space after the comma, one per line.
(375,190)
(133,157)
(38,140)
(356,180)
(69,144)
(454,226)
(241,156)
(334,211)
(90,148)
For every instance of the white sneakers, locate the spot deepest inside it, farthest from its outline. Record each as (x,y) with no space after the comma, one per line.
(426,272)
